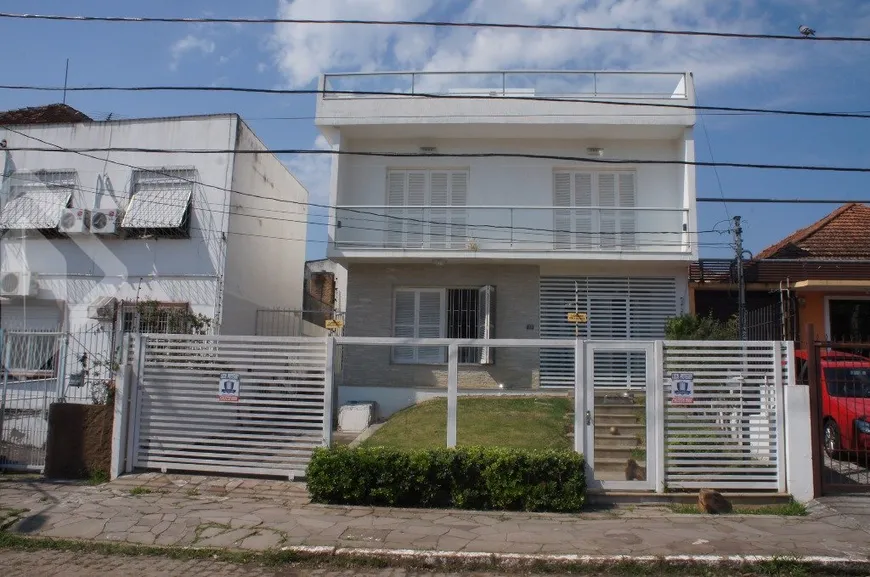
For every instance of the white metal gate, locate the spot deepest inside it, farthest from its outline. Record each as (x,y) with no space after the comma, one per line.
(731,435)
(283,409)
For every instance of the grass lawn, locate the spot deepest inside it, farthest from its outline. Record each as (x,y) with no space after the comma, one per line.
(519,423)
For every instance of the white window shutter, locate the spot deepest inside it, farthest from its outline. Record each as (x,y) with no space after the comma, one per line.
(458,214)
(486,321)
(416,199)
(396,193)
(607,219)
(627,218)
(404,324)
(439,194)
(562,201)
(430,311)
(583,217)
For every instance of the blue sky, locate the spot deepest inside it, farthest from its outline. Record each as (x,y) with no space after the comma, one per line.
(811,76)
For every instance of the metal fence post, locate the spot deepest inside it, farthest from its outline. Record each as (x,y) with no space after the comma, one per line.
(779,395)
(579,399)
(659,454)
(122,411)
(4,351)
(452,393)
(815,385)
(61,369)
(328,391)
(135,396)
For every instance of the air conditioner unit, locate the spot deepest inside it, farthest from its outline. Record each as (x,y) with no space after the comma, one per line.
(18,284)
(74,221)
(105,220)
(102,309)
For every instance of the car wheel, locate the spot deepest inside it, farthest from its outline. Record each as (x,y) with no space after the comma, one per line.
(832,439)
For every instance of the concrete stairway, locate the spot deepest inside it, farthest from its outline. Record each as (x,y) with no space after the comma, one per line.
(620,434)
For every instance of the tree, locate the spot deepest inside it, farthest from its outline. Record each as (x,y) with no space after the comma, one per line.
(689,327)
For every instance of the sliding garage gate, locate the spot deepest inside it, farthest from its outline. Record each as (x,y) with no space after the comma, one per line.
(245,405)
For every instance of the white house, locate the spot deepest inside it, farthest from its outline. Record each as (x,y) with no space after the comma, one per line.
(90,236)
(489,205)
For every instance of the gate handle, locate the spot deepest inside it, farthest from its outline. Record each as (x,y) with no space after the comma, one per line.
(588,417)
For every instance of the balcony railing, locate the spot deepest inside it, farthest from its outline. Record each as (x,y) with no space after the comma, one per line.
(551,84)
(514,228)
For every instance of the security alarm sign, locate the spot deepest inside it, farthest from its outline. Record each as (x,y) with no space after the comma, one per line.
(682,388)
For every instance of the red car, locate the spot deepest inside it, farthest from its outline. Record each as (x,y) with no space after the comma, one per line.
(845,401)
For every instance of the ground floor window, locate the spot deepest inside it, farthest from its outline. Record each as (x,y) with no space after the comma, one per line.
(849,320)
(456,313)
(153,317)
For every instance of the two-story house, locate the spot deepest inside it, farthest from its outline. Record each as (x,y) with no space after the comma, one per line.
(474,205)
(87,236)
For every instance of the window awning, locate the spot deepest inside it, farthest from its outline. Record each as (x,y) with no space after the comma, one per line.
(159,200)
(36,199)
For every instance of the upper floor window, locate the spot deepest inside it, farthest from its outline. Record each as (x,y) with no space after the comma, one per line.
(595,210)
(160,203)
(426,209)
(36,198)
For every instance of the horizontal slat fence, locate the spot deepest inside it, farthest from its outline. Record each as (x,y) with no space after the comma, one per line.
(729,437)
(271,430)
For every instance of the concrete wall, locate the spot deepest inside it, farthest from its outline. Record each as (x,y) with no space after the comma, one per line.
(81,268)
(370,313)
(521,182)
(265,258)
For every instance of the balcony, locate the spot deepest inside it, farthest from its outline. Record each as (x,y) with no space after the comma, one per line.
(511,232)
(498,100)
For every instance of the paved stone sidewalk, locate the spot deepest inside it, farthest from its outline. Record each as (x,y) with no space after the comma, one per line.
(65,564)
(260,515)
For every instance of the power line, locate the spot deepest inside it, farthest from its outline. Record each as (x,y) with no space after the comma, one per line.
(541,232)
(433,95)
(783,200)
(431,24)
(538,231)
(713,159)
(524,155)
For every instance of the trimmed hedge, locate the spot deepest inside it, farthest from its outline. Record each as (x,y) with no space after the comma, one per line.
(467,478)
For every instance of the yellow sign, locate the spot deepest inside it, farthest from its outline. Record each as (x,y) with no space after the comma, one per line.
(577,317)
(334,324)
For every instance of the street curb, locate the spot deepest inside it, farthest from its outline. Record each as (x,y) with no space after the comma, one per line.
(361,557)
(570,559)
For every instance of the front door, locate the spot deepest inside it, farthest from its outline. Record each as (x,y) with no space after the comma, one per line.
(620,414)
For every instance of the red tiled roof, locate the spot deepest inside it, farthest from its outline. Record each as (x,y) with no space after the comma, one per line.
(48,114)
(843,234)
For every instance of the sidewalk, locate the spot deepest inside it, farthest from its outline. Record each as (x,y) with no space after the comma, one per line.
(170,510)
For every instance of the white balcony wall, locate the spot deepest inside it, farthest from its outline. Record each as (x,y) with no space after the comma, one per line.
(393,103)
(498,183)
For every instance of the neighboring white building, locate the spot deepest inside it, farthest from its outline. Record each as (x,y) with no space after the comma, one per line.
(87,236)
(499,246)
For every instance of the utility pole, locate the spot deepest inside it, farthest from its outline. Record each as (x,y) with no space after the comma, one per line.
(741,281)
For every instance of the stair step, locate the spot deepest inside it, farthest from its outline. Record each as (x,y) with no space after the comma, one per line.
(616,441)
(622,430)
(622,455)
(616,421)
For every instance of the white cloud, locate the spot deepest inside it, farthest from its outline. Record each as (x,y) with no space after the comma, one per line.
(188,44)
(305,51)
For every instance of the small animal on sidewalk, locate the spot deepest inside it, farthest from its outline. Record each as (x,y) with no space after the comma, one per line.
(634,472)
(712,502)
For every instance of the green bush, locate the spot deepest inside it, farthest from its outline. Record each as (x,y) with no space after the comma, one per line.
(466,478)
(689,327)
